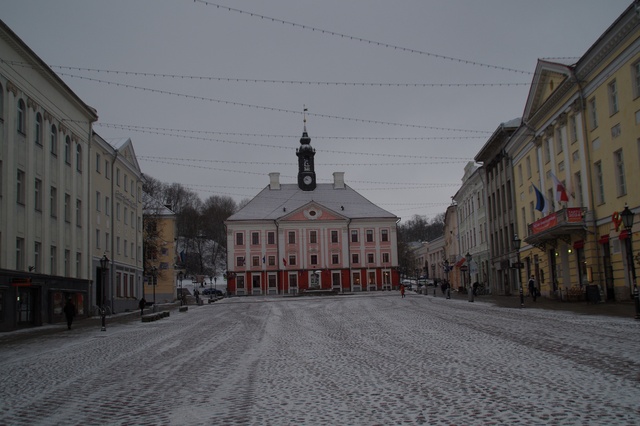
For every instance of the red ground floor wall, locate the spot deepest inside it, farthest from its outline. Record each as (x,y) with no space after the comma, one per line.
(303,281)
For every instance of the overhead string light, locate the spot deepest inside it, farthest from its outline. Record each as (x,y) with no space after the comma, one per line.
(405,185)
(270,81)
(287,147)
(363,40)
(263,135)
(288,111)
(436,160)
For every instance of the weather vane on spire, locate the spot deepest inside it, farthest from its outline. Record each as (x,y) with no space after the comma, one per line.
(304,116)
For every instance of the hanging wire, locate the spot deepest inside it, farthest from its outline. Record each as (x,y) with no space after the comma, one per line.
(363,40)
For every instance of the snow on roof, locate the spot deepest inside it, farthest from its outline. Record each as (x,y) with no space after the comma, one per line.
(272,204)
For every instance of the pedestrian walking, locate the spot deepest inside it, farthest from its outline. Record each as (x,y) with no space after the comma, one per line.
(532,288)
(475,288)
(141,305)
(69,312)
(402,290)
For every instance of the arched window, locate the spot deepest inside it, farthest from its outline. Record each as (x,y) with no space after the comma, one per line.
(21,116)
(38,129)
(54,140)
(79,157)
(67,150)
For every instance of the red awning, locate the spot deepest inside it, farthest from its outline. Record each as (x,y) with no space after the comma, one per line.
(624,235)
(578,244)
(604,239)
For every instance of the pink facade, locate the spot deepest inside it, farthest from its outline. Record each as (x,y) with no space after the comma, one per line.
(312,248)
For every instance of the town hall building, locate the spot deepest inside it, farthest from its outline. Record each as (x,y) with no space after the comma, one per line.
(309,236)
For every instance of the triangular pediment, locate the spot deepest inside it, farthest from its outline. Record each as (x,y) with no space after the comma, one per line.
(312,212)
(548,77)
(128,154)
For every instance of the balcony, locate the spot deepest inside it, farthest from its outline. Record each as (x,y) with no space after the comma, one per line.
(560,225)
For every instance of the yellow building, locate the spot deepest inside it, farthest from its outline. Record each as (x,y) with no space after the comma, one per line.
(575,159)
(159,252)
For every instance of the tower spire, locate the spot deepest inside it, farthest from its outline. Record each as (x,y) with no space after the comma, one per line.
(306,172)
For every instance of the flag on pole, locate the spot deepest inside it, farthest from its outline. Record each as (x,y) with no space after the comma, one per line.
(284,261)
(540,201)
(264,259)
(561,191)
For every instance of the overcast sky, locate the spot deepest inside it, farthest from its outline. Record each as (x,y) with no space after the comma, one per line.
(403,144)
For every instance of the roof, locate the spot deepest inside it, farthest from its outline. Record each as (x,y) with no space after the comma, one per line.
(154,207)
(272,204)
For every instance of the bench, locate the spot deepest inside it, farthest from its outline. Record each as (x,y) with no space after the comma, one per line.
(155,316)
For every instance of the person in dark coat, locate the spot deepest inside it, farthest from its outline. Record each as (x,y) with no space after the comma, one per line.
(402,290)
(141,305)
(69,312)
(533,291)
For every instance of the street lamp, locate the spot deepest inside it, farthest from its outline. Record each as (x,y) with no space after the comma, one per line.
(470,289)
(517,242)
(210,287)
(180,275)
(627,221)
(154,279)
(446,273)
(104,267)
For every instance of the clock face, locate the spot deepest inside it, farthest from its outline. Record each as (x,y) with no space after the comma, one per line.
(307,180)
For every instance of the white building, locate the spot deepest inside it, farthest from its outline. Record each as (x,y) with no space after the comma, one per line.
(45,136)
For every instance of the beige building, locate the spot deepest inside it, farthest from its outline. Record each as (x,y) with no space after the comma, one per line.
(575,160)
(116,224)
(45,136)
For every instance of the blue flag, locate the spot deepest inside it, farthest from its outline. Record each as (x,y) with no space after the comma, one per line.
(540,203)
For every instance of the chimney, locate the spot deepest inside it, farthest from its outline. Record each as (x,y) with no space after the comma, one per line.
(274,180)
(338,180)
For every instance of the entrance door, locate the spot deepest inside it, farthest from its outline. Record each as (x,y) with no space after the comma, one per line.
(553,271)
(608,271)
(314,281)
(25,307)
(335,280)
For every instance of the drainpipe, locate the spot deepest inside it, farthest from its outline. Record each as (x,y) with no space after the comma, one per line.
(349,255)
(113,236)
(589,175)
(275,222)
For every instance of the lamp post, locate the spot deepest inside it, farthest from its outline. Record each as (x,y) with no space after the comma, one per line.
(154,279)
(627,221)
(446,274)
(470,288)
(104,267)
(210,287)
(215,284)
(180,279)
(516,245)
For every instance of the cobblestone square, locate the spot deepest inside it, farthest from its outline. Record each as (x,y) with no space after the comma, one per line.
(354,360)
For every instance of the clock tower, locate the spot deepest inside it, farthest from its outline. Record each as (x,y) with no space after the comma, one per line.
(306,172)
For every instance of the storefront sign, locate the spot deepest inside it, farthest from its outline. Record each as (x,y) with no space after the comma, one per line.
(574,214)
(21,282)
(544,223)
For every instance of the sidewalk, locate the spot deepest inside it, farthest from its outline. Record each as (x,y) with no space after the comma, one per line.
(48,330)
(614,309)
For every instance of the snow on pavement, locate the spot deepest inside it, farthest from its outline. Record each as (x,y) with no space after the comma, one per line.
(370,359)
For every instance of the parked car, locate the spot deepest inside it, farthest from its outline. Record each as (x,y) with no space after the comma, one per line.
(408,284)
(212,292)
